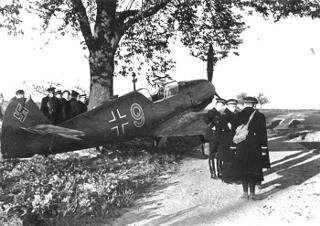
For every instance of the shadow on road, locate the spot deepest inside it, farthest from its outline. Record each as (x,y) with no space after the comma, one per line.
(292,173)
(291,170)
(278,166)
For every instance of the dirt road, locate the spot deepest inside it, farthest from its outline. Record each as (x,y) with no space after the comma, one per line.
(290,194)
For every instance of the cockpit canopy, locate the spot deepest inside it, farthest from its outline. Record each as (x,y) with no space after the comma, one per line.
(162,90)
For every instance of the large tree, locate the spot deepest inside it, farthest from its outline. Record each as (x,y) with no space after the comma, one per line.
(134,34)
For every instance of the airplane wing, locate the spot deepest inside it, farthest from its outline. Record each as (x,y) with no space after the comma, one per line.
(190,124)
(55,130)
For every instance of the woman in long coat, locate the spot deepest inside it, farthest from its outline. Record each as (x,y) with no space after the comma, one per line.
(248,161)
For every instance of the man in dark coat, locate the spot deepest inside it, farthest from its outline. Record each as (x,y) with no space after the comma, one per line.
(19,94)
(46,103)
(66,109)
(83,103)
(225,156)
(74,104)
(248,160)
(57,108)
(213,135)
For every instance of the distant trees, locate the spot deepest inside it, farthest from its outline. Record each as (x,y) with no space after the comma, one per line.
(262,99)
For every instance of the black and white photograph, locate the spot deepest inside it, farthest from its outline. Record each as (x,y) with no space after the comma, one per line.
(159,112)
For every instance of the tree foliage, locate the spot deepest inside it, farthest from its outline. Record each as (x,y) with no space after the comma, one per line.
(126,36)
(10,17)
(283,9)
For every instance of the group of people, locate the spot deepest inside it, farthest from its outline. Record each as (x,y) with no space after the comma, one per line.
(234,162)
(60,106)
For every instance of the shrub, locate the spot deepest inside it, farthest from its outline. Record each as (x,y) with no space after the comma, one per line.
(43,190)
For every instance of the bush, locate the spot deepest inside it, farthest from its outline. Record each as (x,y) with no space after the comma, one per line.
(46,190)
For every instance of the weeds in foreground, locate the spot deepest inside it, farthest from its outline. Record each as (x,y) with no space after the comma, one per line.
(58,191)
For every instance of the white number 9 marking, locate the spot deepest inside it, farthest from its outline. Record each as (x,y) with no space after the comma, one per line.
(138,115)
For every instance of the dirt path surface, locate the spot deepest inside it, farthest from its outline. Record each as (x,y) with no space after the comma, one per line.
(290,194)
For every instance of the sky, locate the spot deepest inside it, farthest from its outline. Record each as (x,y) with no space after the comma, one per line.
(280,60)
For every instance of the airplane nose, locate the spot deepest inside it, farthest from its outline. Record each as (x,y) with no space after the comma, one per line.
(206,91)
(201,91)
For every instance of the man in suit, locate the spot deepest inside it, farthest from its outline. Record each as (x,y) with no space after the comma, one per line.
(213,118)
(249,153)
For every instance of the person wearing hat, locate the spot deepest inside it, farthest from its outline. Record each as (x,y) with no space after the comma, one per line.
(225,157)
(66,108)
(57,108)
(74,104)
(248,159)
(213,135)
(58,94)
(19,94)
(47,104)
(82,103)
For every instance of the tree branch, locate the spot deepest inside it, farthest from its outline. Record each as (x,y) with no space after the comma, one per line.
(125,14)
(138,15)
(80,11)
(105,20)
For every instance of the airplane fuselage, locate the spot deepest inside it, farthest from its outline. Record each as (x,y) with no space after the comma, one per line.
(131,115)
(136,114)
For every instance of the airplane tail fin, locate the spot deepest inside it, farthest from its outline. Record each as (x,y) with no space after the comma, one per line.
(19,113)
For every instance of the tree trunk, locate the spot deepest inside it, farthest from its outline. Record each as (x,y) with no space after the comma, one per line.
(101,77)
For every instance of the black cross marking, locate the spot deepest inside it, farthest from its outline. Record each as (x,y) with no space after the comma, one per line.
(114,119)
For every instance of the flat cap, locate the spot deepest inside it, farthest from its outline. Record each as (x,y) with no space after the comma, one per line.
(250,100)
(51,89)
(74,93)
(232,101)
(59,92)
(20,92)
(220,100)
